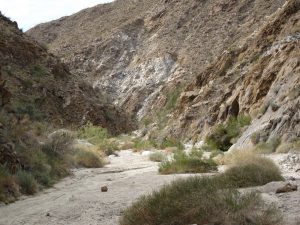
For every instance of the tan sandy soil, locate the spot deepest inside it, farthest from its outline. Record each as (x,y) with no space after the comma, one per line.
(78,200)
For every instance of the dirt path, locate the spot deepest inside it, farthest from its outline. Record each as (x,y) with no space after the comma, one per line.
(79,200)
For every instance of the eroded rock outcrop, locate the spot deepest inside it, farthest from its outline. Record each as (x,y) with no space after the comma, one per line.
(260,78)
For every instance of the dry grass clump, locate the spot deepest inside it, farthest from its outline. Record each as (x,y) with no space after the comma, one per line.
(289,147)
(248,169)
(89,157)
(200,201)
(59,143)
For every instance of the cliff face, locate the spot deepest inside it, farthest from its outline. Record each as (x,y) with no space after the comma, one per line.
(137,51)
(185,66)
(260,78)
(41,87)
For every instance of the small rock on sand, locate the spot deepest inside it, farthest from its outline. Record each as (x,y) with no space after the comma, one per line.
(104,189)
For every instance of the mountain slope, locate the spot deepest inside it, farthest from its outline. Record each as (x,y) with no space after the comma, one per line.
(41,86)
(133,50)
(260,78)
(235,57)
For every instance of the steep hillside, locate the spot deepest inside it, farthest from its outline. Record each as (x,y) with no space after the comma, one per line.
(43,88)
(260,77)
(241,56)
(138,51)
(38,95)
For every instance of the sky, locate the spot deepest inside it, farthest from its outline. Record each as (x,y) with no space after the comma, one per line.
(29,13)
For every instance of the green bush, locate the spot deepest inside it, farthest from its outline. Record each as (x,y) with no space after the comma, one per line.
(224,135)
(94,134)
(187,163)
(200,201)
(140,144)
(27,182)
(157,157)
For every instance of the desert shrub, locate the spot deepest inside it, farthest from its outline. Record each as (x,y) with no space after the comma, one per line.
(94,134)
(28,184)
(28,108)
(171,142)
(248,169)
(40,167)
(99,136)
(224,135)
(253,174)
(140,144)
(199,201)
(268,147)
(289,146)
(187,163)
(157,157)
(8,188)
(38,70)
(109,147)
(172,97)
(88,159)
(59,143)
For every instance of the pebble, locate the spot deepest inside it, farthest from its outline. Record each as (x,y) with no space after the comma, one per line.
(104,189)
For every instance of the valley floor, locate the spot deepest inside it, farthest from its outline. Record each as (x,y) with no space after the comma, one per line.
(79,200)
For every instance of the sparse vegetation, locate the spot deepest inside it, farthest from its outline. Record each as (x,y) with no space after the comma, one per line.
(27,183)
(200,201)
(8,188)
(224,135)
(171,142)
(268,147)
(94,134)
(29,108)
(140,144)
(59,143)
(98,136)
(293,146)
(88,159)
(187,163)
(211,200)
(38,70)
(157,157)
